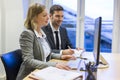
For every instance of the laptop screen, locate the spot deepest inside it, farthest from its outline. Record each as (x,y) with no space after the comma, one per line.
(97,38)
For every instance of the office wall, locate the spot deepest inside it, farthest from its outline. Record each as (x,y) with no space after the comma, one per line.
(11,24)
(0,27)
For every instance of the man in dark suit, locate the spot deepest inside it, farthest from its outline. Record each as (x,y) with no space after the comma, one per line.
(56,18)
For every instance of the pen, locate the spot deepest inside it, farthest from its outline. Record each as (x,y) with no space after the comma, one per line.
(69,47)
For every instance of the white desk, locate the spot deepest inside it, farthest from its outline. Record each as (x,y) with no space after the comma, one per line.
(111,73)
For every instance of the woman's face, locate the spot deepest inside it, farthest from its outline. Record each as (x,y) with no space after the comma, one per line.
(42,19)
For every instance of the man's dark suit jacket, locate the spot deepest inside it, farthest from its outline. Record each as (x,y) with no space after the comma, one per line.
(65,42)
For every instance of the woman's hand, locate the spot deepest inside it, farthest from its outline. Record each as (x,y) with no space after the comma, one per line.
(68,52)
(63,66)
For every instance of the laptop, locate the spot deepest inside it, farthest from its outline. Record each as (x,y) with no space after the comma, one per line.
(95,57)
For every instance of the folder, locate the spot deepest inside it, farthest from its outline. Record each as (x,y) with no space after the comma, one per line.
(53,73)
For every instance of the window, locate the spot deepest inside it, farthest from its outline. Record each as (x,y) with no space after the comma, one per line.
(93,9)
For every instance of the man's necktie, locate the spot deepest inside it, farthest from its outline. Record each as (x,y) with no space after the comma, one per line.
(57,39)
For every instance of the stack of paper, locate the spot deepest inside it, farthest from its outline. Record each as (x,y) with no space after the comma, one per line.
(53,73)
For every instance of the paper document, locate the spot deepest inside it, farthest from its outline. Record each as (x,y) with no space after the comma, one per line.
(74,64)
(53,73)
(77,53)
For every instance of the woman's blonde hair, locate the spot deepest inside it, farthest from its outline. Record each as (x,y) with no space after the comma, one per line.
(33,12)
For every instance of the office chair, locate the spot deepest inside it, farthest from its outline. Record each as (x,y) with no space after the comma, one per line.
(12,61)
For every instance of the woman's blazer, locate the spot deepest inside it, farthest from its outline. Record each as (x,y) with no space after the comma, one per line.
(32,54)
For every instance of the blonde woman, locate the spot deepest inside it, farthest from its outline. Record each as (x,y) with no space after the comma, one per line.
(35,49)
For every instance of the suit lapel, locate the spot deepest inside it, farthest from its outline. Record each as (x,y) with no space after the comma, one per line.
(50,37)
(61,35)
(39,46)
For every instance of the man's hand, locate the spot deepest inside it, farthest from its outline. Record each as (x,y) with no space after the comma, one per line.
(68,52)
(79,48)
(68,57)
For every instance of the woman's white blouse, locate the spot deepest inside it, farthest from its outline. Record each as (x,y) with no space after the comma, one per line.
(45,45)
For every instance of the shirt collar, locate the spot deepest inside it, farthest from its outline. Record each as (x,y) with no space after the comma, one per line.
(43,34)
(53,29)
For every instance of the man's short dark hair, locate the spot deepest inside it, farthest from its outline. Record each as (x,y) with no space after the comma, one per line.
(56,8)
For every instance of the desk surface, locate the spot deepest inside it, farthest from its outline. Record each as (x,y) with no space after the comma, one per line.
(111,73)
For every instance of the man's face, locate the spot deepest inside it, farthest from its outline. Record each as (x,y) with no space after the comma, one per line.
(57,18)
